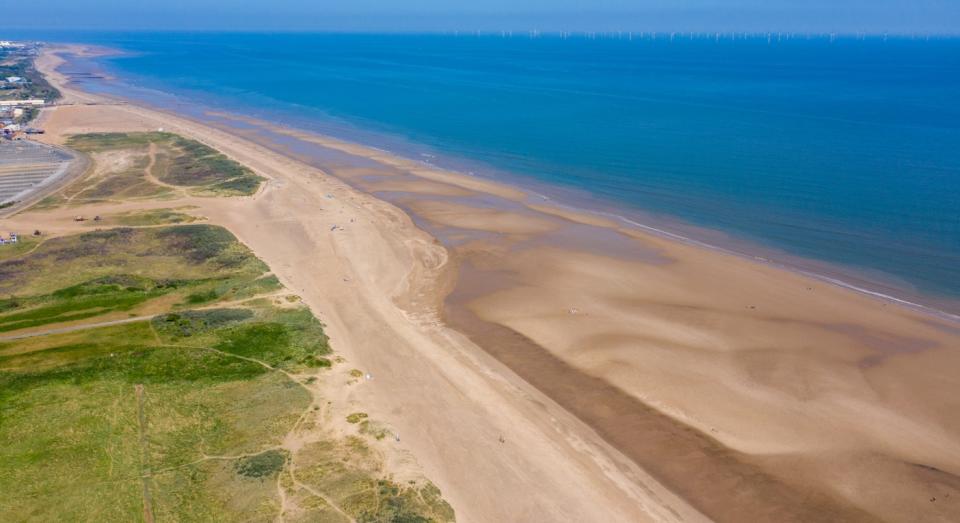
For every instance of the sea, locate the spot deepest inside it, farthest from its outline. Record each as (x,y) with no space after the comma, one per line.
(843,150)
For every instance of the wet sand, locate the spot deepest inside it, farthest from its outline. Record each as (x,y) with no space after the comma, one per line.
(751,392)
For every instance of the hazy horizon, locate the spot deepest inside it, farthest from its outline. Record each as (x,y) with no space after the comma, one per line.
(844,16)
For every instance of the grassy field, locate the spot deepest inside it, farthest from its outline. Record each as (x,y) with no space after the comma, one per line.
(176,161)
(126,271)
(70,437)
(181,414)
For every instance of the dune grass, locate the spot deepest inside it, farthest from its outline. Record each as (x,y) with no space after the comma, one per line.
(347,470)
(95,421)
(70,448)
(180,415)
(125,270)
(148,218)
(178,162)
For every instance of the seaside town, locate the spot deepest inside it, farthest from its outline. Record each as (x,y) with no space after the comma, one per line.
(23,91)
(25,166)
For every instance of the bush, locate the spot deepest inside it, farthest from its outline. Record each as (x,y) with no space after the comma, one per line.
(189,323)
(357,417)
(263,465)
(198,243)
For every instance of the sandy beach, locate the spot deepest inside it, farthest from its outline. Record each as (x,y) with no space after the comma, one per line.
(544,364)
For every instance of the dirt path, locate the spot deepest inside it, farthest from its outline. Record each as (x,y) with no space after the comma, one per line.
(110,323)
(148,173)
(61,220)
(145,475)
(74,328)
(292,441)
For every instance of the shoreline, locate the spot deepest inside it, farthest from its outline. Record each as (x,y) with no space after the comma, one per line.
(487,223)
(677,299)
(750,252)
(876,284)
(446,396)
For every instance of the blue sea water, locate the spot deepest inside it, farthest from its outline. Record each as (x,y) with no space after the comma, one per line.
(846,150)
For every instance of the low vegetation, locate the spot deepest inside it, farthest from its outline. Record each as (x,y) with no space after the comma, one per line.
(172,160)
(179,413)
(118,176)
(347,471)
(264,465)
(148,218)
(356,417)
(79,397)
(375,430)
(133,271)
(289,339)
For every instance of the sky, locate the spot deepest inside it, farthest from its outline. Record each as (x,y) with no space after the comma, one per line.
(841,16)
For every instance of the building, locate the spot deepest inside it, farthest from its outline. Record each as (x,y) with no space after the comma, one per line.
(16,103)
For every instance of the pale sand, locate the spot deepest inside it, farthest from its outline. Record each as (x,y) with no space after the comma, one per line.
(376,285)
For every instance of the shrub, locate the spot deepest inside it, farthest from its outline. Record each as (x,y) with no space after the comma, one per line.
(357,417)
(263,465)
(189,323)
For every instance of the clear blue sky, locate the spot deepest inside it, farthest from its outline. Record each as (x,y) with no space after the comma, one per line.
(874,16)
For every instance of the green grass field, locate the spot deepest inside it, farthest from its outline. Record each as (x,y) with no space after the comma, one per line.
(125,270)
(70,445)
(179,415)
